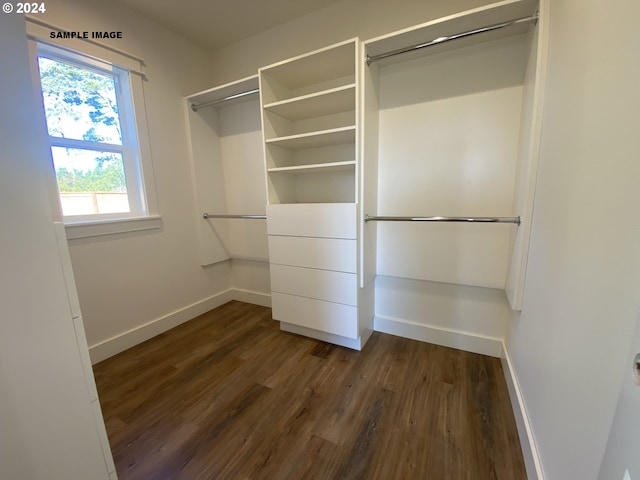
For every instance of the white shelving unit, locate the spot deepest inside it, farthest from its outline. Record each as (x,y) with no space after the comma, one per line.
(310,128)
(309,124)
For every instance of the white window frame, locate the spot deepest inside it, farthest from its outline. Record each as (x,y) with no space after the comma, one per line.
(135,150)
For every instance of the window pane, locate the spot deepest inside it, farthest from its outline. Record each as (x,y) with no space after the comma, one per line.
(90,182)
(79,103)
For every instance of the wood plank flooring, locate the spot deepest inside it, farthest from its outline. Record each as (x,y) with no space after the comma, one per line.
(229,396)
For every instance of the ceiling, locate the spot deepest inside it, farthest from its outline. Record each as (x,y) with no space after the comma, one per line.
(215,23)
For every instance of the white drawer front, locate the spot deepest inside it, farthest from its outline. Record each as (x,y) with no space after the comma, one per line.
(328,317)
(336,287)
(333,220)
(323,253)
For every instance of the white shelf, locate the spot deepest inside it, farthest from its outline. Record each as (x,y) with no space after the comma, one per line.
(335,100)
(334,136)
(316,168)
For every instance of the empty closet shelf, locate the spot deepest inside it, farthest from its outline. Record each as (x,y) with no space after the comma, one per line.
(316,168)
(323,138)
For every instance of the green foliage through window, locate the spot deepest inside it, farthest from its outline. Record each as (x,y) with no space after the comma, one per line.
(105,177)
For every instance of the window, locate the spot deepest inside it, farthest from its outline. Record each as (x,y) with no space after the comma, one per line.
(96,123)
(89,113)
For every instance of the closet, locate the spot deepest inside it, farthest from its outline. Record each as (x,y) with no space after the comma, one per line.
(227,168)
(398,177)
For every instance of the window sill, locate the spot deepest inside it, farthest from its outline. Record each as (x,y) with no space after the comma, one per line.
(98,228)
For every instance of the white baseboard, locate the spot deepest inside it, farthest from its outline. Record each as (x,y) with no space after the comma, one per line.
(119,343)
(255,298)
(525,432)
(469,342)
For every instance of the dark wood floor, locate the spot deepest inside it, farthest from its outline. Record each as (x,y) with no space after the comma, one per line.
(229,396)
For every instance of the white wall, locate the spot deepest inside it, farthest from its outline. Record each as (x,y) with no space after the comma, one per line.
(47,428)
(457,316)
(622,448)
(340,21)
(449,126)
(250,281)
(570,343)
(127,281)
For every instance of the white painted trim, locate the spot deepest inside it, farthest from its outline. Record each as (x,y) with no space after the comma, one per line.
(123,341)
(525,432)
(97,228)
(470,342)
(255,298)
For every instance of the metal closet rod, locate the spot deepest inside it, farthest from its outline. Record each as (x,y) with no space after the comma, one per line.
(196,107)
(516,220)
(206,215)
(374,58)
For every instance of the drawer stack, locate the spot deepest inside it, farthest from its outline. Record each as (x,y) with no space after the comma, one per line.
(313,260)
(311,146)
